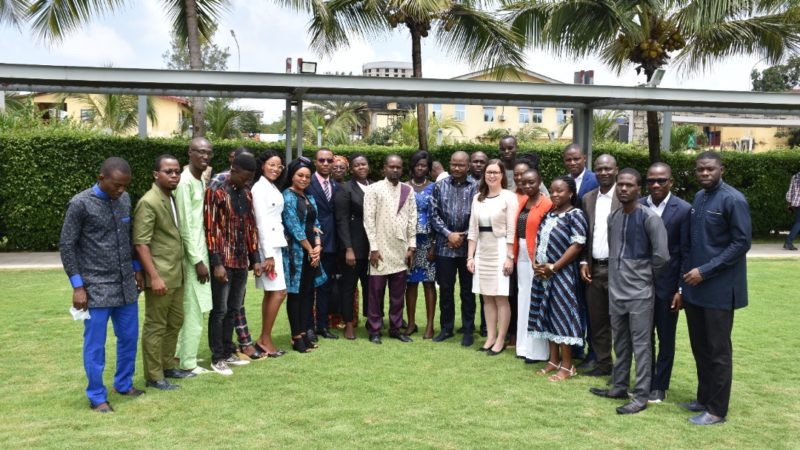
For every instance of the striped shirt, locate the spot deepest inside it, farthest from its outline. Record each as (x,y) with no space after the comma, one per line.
(793,194)
(230,224)
(449,210)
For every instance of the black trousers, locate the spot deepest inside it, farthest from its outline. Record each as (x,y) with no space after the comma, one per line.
(324,297)
(226,300)
(513,291)
(351,276)
(298,306)
(710,336)
(446,271)
(665,323)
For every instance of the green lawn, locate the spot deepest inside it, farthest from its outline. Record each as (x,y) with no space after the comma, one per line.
(354,394)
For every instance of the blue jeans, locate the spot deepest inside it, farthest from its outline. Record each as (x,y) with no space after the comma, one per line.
(125,320)
(795,228)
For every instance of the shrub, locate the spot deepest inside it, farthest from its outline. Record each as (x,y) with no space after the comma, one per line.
(39,173)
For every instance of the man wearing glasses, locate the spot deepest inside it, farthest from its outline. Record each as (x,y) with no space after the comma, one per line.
(157,239)
(675,213)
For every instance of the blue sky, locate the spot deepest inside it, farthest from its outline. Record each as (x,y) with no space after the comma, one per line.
(137,36)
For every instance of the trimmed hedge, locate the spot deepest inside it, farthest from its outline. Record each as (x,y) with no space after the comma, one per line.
(39,173)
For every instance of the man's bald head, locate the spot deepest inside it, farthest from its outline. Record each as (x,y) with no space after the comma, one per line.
(199,142)
(605,158)
(459,164)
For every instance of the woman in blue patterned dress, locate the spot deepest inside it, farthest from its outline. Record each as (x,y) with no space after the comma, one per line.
(554,313)
(423,270)
(301,256)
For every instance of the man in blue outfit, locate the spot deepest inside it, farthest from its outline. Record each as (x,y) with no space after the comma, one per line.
(97,255)
(716,285)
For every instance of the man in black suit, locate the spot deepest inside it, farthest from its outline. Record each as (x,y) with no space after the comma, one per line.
(353,240)
(323,188)
(675,214)
(715,285)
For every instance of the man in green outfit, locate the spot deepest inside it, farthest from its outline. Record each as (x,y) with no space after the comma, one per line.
(197,289)
(157,239)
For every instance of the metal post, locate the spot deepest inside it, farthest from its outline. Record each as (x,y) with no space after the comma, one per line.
(439,136)
(142,117)
(2,101)
(319,136)
(299,122)
(666,131)
(288,132)
(582,131)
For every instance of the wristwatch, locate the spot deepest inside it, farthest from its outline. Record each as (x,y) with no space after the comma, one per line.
(551,267)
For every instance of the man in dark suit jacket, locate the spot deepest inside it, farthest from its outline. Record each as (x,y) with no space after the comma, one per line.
(675,214)
(715,285)
(323,188)
(575,163)
(598,204)
(353,240)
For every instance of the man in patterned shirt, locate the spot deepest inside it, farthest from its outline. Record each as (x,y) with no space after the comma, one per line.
(97,255)
(390,221)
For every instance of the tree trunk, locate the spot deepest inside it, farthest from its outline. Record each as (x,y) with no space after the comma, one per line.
(422,116)
(653,130)
(195,62)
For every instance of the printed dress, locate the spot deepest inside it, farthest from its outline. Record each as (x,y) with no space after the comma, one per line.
(554,313)
(423,270)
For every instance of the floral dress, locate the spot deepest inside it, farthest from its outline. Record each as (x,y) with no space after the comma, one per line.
(423,270)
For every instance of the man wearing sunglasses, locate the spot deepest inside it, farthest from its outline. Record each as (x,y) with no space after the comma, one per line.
(675,213)
(157,239)
(323,188)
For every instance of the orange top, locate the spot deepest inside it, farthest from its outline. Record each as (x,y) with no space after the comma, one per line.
(535,216)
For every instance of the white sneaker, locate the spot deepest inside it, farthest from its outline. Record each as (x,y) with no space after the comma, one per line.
(221,367)
(199,370)
(234,360)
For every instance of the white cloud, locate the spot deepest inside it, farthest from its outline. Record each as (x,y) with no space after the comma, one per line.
(97,45)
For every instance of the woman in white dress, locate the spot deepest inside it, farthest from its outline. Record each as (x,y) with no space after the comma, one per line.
(268,207)
(490,252)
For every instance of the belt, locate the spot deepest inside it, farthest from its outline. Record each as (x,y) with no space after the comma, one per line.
(486,229)
(600,262)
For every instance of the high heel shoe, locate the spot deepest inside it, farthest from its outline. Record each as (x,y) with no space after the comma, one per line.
(491,352)
(412,330)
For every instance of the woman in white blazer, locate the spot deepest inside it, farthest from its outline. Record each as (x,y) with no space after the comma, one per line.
(268,207)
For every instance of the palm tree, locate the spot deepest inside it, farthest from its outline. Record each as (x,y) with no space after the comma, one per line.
(649,33)
(461,27)
(115,113)
(222,120)
(12,12)
(191,20)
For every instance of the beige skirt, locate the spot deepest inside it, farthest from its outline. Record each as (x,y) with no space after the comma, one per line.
(489,258)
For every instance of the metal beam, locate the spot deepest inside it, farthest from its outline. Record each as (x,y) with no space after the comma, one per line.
(299,123)
(288,133)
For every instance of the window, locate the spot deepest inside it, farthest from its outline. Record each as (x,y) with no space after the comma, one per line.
(488,114)
(436,111)
(395,70)
(524,115)
(563,115)
(537,115)
(461,113)
(86,115)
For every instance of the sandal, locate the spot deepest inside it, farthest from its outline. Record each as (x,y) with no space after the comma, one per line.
(571,372)
(546,369)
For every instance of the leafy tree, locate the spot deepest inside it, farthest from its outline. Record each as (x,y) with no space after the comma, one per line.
(461,27)
(493,135)
(115,113)
(648,34)
(222,119)
(212,57)
(778,78)
(530,133)
(249,122)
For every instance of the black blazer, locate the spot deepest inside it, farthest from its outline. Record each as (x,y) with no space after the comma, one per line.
(676,218)
(349,203)
(325,215)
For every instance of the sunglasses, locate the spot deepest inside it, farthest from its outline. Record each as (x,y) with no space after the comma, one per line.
(325,160)
(660,181)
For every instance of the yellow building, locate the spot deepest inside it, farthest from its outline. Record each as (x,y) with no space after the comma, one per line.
(477,120)
(170,112)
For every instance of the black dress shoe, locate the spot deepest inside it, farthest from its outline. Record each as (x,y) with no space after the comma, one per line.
(587,365)
(693,406)
(326,333)
(179,373)
(162,385)
(787,246)
(467,340)
(444,334)
(400,336)
(460,330)
(706,418)
(375,339)
(312,335)
(631,408)
(657,396)
(608,393)
(133,392)
(597,372)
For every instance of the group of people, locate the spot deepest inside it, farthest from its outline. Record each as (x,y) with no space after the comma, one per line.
(562,271)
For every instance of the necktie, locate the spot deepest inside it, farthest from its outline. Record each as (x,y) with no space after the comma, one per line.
(327,188)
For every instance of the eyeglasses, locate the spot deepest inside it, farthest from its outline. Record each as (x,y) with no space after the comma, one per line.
(660,181)
(325,160)
(171,171)
(275,166)
(203,152)
(492,172)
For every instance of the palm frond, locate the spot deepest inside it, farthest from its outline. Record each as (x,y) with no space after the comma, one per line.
(209,13)
(52,20)
(13,12)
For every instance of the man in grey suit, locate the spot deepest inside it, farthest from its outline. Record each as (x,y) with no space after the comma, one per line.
(637,248)
(675,214)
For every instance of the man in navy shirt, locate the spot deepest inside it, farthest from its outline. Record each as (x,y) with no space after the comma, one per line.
(716,285)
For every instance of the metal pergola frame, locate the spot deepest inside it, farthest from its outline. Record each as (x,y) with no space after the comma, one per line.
(295,88)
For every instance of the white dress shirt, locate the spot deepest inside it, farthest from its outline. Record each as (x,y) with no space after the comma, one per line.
(579,180)
(659,209)
(600,232)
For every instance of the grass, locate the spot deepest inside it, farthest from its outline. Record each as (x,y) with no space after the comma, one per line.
(354,394)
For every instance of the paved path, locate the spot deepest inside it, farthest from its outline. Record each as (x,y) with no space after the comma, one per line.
(51,260)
